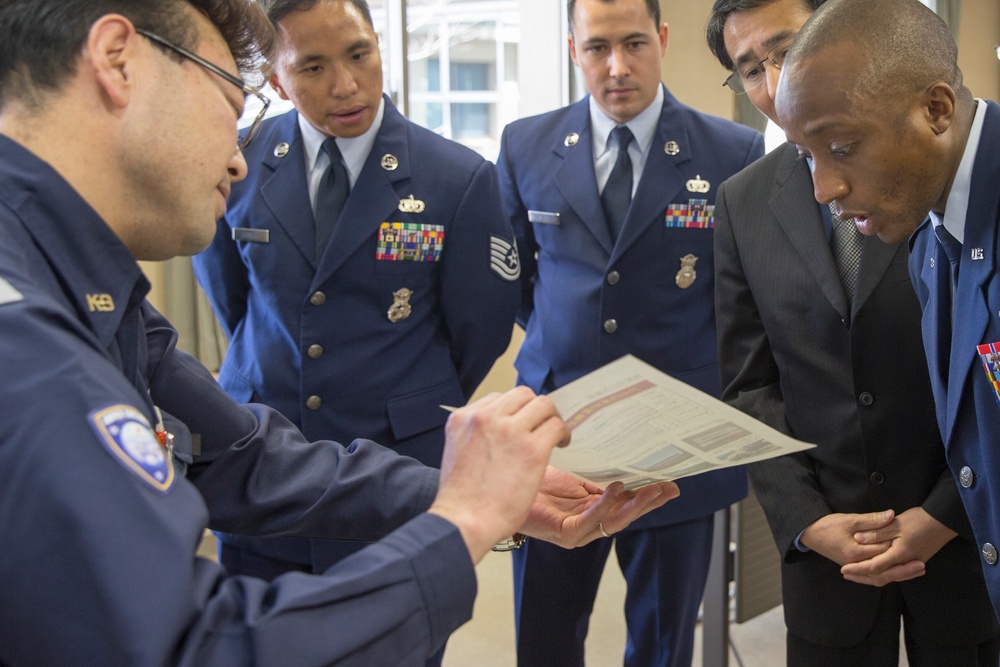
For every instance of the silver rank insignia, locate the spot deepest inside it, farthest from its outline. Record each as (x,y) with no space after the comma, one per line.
(572,139)
(671,148)
(400,308)
(687,275)
(411,205)
(504,259)
(698,185)
(281,150)
(390,162)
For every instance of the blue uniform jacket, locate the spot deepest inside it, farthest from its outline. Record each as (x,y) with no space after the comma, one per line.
(99,531)
(968,411)
(586,302)
(312,336)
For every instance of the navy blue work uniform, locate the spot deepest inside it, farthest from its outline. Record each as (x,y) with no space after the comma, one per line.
(99,529)
(404,311)
(587,300)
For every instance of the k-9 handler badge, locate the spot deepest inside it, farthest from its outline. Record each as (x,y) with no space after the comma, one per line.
(400,308)
(687,275)
(989,354)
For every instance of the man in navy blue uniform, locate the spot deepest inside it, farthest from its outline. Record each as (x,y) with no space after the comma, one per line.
(98,525)
(872,92)
(616,250)
(401,308)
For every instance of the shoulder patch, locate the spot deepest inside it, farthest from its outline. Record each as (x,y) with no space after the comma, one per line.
(503,259)
(126,434)
(8,294)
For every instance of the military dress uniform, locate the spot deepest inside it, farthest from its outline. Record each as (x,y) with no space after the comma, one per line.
(588,299)
(404,310)
(99,530)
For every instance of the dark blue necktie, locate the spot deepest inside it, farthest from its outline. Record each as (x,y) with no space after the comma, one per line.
(952,248)
(331,195)
(617,193)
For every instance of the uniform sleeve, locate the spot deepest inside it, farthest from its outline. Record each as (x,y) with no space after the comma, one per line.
(518,216)
(98,565)
(223,276)
(785,486)
(479,279)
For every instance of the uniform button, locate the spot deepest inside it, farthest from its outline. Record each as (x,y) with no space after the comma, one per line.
(966,477)
(614,277)
(611,326)
(315,351)
(990,553)
(877,478)
(866,399)
(317,298)
(314,402)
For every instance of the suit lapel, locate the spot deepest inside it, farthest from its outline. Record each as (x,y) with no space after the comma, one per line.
(285,192)
(797,212)
(936,321)
(971,307)
(875,260)
(373,197)
(575,177)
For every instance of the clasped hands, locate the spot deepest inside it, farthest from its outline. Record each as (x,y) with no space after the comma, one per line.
(880,547)
(495,478)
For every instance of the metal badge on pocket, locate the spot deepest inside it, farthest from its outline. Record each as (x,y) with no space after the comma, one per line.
(250,235)
(543,217)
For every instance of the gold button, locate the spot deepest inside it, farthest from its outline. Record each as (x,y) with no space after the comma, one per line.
(315,351)
(611,326)
(314,402)
(317,299)
(614,277)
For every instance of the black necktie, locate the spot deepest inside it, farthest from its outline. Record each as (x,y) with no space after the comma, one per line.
(847,242)
(331,195)
(952,248)
(617,193)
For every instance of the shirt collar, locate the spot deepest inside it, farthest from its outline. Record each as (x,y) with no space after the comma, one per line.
(957,206)
(643,126)
(354,150)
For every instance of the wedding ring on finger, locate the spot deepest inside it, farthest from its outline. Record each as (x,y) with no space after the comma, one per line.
(600,527)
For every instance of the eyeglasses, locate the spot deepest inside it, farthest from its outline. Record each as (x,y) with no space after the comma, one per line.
(753,75)
(244,139)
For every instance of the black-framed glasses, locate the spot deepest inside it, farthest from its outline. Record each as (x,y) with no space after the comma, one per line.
(753,75)
(250,132)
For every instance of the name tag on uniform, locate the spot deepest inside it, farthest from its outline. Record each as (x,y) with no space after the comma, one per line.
(544,217)
(250,235)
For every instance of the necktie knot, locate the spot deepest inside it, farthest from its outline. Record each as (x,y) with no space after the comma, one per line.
(621,137)
(951,246)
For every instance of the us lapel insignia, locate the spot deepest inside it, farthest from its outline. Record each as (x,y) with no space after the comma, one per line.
(977,254)
(281,150)
(390,162)
(671,148)
(572,139)
(989,355)
(687,275)
(411,205)
(698,185)
(400,308)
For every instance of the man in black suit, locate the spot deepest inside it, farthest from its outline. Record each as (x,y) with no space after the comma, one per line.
(819,336)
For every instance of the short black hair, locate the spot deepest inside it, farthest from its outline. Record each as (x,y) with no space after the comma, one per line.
(42,38)
(722,9)
(279,9)
(652,5)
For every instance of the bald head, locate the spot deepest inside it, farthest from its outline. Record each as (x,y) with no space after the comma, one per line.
(903,46)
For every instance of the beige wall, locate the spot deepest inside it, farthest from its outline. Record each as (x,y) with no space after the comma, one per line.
(690,70)
(979,32)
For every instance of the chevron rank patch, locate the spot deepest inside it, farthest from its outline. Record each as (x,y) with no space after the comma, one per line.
(696,214)
(126,434)
(503,258)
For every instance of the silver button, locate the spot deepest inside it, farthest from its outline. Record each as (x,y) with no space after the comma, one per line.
(315,351)
(611,326)
(314,402)
(317,299)
(990,553)
(614,277)
(966,477)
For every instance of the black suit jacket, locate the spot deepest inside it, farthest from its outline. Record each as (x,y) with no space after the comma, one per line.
(851,380)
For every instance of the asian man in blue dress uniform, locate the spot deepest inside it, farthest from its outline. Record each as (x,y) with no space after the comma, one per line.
(872,92)
(406,304)
(603,277)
